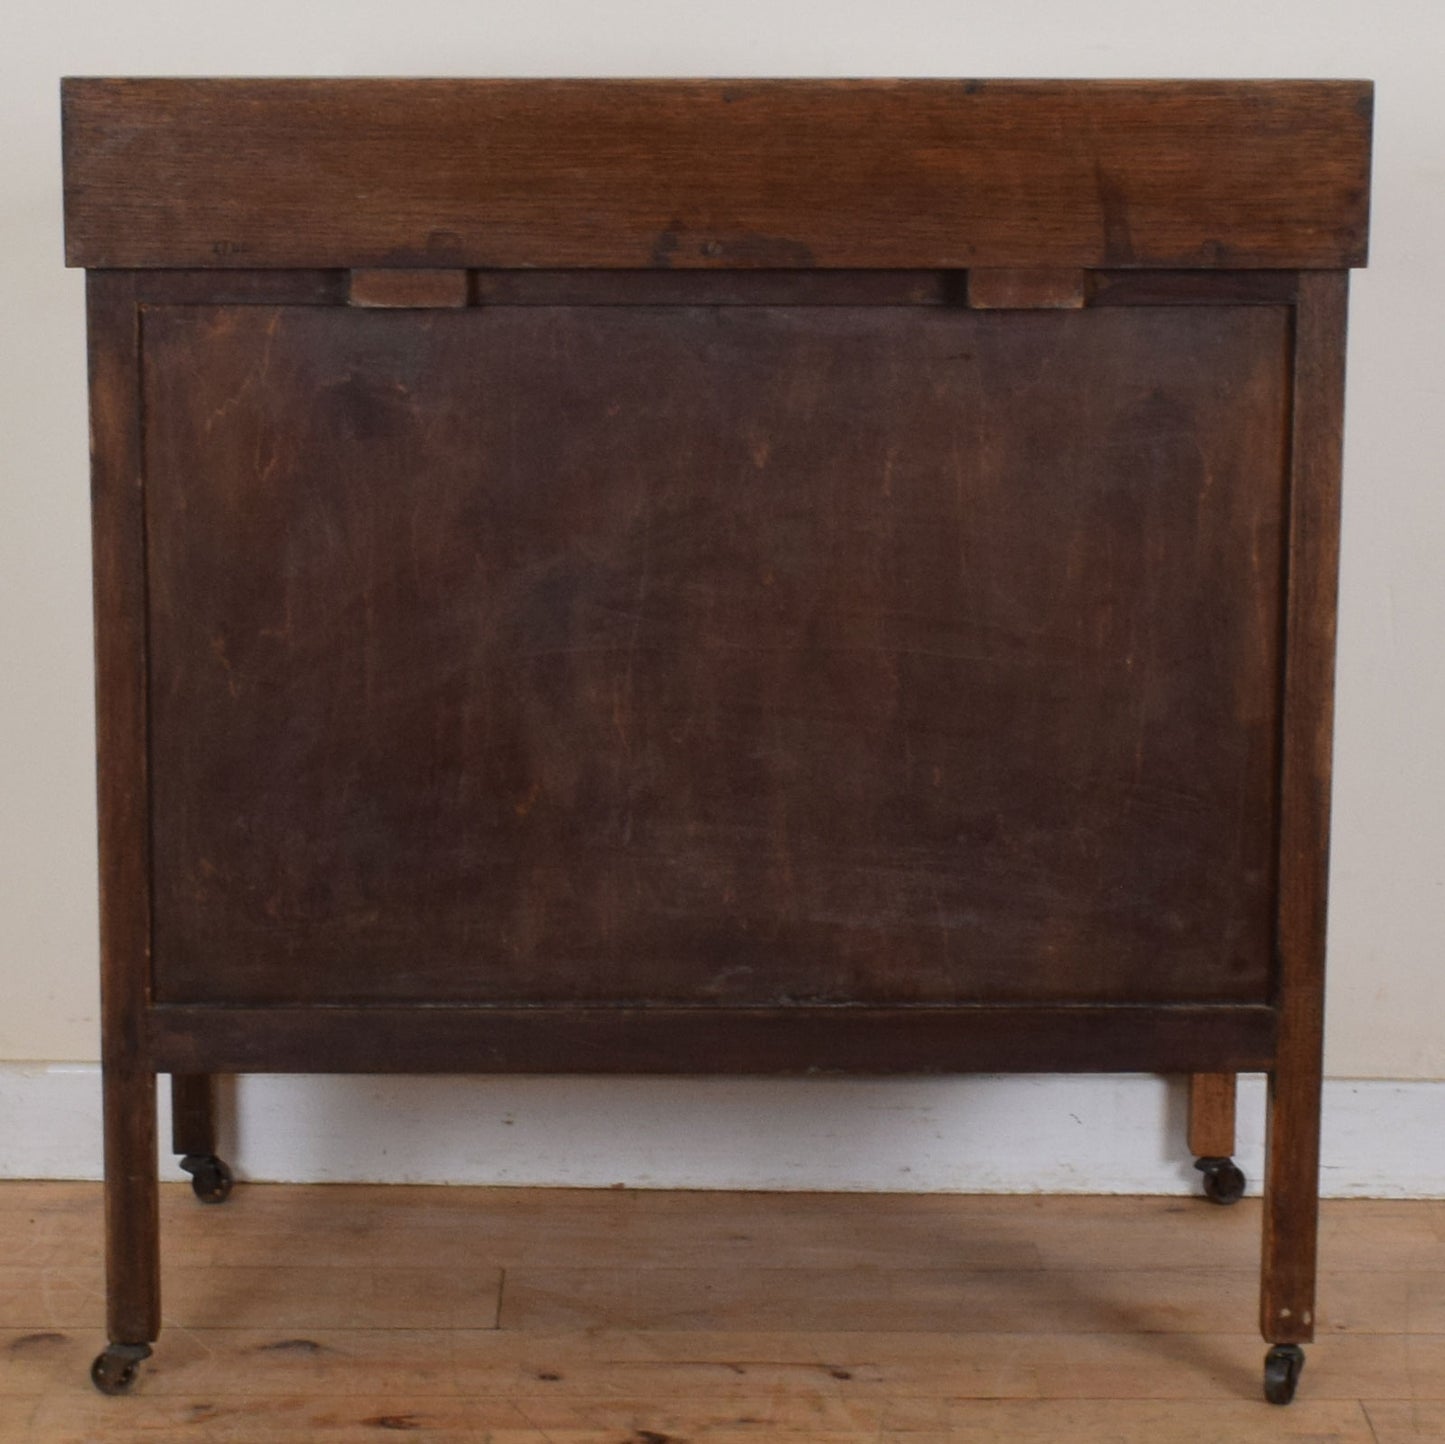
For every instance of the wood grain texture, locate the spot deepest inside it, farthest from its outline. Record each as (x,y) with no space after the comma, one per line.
(129,1107)
(1042,288)
(1192,288)
(1406,1422)
(738,656)
(358,1416)
(719,649)
(121,663)
(401,1291)
(632,1316)
(1211,1114)
(241,288)
(840,287)
(1293,1139)
(571,1038)
(913,287)
(193,1114)
(408,290)
(50,1228)
(718,288)
(718,173)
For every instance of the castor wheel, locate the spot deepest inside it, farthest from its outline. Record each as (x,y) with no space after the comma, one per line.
(114,1371)
(1223,1181)
(1282,1367)
(210,1178)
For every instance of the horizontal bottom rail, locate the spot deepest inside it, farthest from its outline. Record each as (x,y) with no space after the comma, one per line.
(991,1038)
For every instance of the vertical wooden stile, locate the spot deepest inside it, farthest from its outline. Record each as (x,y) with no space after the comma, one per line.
(1291,1207)
(131,1197)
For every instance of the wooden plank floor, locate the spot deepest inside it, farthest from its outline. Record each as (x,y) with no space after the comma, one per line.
(515,1316)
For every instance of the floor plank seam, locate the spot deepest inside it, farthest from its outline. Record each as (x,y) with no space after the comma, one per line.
(580,1346)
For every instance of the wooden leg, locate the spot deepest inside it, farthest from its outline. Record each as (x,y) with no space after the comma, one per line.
(132,1216)
(132,1228)
(1291,1206)
(1291,1220)
(193,1117)
(193,1135)
(1211,1115)
(1292,1166)
(132,1211)
(1211,1135)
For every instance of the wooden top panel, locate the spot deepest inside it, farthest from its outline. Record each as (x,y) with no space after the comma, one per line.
(784,173)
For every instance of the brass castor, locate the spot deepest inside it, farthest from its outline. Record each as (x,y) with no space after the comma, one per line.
(1282,1367)
(1223,1181)
(115,1370)
(210,1177)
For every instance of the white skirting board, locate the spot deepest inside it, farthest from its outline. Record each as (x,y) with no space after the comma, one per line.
(1111,1133)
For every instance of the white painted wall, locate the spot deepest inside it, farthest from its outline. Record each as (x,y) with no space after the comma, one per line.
(1387,996)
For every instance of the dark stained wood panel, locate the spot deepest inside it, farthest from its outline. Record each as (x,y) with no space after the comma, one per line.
(377,1038)
(752,287)
(743,656)
(726,174)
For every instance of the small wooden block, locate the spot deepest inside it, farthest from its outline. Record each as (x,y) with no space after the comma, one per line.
(1044,288)
(400,289)
(1211,1115)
